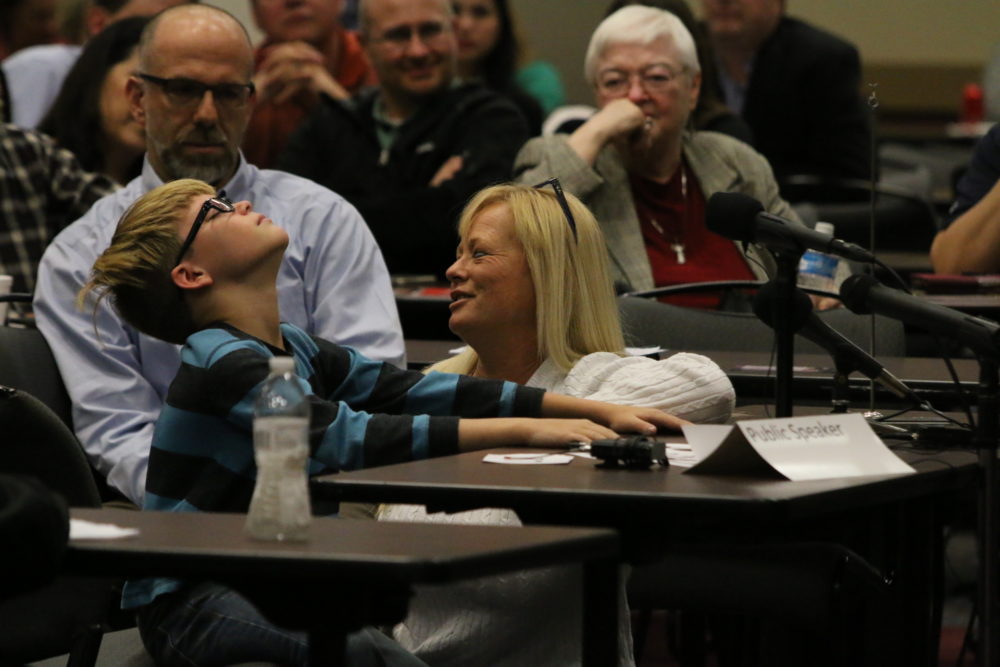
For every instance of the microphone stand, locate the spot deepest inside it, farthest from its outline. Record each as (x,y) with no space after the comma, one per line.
(987,431)
(784,331)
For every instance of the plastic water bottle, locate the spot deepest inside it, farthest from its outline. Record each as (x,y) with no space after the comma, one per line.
(817,269)
(279,509)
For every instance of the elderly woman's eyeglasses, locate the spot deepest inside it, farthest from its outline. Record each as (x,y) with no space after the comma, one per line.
(563,204)
(183,92)
(653,79)
(217,203)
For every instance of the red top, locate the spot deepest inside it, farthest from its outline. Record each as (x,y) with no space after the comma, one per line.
(271,124)
(681,220)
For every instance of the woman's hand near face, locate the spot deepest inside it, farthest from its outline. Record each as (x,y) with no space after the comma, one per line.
(617,119)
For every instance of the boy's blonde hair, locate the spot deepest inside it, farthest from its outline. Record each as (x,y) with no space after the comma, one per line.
(136,268)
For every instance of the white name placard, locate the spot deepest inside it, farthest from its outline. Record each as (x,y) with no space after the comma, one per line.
(796,448)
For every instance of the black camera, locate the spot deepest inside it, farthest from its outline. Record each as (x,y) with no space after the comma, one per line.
(637,451)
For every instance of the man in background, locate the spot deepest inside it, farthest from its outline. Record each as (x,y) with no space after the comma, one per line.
(306,53)
(796,86)
(410,153)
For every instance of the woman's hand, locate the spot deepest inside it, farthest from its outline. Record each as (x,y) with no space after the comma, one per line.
(617,119)
(647,421)
(620,418)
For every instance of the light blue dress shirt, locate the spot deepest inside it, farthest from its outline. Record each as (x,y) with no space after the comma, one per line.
(333,283)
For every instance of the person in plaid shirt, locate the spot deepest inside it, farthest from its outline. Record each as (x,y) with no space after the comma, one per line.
(42,189)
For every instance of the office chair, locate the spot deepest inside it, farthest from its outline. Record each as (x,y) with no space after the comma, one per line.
(903,220)
(71,613)
(809,597)
(647,322)
(26,363)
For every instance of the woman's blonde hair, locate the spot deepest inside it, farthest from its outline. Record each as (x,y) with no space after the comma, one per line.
(136,268)
(576,313)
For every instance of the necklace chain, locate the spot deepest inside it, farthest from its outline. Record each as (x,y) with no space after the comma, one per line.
(677,244)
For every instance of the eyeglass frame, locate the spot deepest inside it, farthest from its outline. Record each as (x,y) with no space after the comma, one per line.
(399,42)
(165,84)
(674,75)
(563,204)
(219,203)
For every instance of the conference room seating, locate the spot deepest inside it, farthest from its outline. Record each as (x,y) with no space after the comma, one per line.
(811,595)
(648,323)
(26,363)
(70,614)
(903,220)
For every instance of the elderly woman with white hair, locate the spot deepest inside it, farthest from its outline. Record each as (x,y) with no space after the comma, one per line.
(532,296)
(643,171)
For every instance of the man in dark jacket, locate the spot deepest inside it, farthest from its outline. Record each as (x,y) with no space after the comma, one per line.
(411,152)
(796,86)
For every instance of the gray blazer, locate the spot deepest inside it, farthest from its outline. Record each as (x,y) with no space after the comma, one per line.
(720,163)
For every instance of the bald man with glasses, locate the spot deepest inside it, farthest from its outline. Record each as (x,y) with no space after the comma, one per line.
(193,94)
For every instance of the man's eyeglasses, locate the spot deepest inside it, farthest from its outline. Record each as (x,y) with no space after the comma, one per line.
(653,79)
(428,32)
(217,203)
(183,92)
(563,204)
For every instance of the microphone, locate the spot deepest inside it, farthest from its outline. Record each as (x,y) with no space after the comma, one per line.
(740,217)
(863,294)
(843,350)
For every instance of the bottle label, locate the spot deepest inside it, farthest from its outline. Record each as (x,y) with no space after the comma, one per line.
(818,270)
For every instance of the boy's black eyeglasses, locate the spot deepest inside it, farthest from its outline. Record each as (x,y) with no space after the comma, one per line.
(561,198)
(184,92)
(218,203)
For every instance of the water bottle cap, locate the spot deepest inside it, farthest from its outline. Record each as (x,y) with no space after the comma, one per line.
(824,228)
(282,364)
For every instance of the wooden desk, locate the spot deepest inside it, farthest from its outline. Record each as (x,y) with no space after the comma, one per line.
(895,522)
(349,573)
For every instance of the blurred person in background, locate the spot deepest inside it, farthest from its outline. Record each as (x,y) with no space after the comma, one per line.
(35,75)
(306,53)
(91,116)
(796,86)
(644,172)
(490,50)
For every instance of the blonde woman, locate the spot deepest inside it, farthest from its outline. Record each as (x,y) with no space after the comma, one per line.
(532,296)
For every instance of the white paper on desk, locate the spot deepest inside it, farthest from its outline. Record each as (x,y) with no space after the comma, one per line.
(79,529)
(528,459)
(797,448)
(631,351)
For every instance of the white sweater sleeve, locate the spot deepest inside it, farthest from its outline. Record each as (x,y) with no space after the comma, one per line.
(687,385)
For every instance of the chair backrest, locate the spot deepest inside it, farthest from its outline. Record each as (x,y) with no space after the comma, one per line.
(26,363)
(903,220)
(672,327)
(37,442)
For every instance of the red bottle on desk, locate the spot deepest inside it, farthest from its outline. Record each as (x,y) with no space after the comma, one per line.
(972,103)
